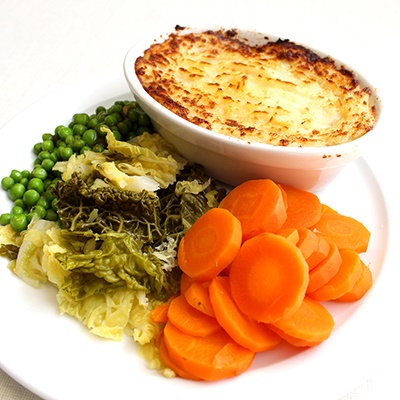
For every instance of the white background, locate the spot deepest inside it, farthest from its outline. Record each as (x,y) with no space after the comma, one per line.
(48,45)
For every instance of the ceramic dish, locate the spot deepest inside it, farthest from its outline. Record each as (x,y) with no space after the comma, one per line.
(234,160)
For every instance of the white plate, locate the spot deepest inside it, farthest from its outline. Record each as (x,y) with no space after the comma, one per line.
(57,358)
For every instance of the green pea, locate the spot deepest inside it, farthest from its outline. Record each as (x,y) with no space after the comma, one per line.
(133,115)
(5,219)
(57,130)
(25,174)
(144,120)
(81,118)
(122,128)
(69,140)
(37,148)
(43,202)
(15,210)
(36,184)
(31,197)
(20,203)
(39,172)
(92,123)
(90,137)
(99,130)
(48,145)
(16,175)
(43,155)
(48,164)
(7,182)
(100,109)
(40,211)
(98,148)
(54,204)
(79,129)
(47,136)
(51,215)
(19,222)
(16,192)
(64,132)
(84,148)
(77,144)
(66,153)
(24,181)
(110,120)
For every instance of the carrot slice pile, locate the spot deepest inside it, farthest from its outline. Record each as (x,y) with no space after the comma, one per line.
(255,272)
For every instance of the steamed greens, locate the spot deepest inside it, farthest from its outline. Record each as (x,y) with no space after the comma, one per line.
(112,253)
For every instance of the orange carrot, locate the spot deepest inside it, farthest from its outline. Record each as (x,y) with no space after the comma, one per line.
(361,287)
(210,244)
(209,358)
(163,352)
(311,322)
(346,232)
(348,274)
(294,341)
(258,204)
(269,277)
(325,270)
(189,320)
(159,313)
(308,242)
(304,208)
(185,282)
(319,254)
(197,296)
(243,330)
(290,233)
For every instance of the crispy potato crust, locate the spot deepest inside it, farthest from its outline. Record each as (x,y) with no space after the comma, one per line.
(279,93)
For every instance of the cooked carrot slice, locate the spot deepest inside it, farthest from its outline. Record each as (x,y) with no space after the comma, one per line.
(361,287)
(210,244)
(247,332)
(159,313)
(303,208)
(258,204)
(269,277)
(346,232)
(294,341)
(325,270)
(210,358)
(311,322)
(348,274)
(163,352)
(189,320)
(197,296)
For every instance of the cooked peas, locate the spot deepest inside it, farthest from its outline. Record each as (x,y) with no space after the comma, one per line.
(30,190)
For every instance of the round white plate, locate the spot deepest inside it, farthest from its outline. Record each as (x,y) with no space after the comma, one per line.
(57,358)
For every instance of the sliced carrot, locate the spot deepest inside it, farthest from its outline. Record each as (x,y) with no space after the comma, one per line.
(159,313)
(361,287)
(348,274)
(325,270)
(311,322)
(189,320)
(209,358)
(269,277)
(327,209)
(294,341)
(258,204)
(163,352)
(243,330)
(290,233)
(308,242)
(197,296)
(346,232)
(319,254)
(303,208)
(210,244)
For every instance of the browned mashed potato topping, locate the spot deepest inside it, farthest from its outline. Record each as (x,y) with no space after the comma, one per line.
(279,92)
